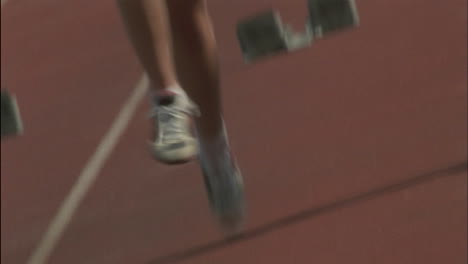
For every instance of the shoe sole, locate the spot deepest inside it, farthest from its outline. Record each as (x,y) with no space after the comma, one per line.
(169,161)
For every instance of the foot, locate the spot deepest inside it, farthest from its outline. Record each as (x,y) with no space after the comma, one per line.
(223,181)
(174,142)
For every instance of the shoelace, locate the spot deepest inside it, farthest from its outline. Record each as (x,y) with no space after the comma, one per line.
(172,120)
(171,123)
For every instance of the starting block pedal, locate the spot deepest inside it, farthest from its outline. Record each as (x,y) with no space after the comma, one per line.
(327,16)
(261,35)
(11,119)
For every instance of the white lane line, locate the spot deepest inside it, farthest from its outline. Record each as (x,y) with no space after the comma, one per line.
(87,176)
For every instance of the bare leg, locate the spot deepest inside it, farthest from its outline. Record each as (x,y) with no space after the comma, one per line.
(198,72)
(148,27)
(197,61)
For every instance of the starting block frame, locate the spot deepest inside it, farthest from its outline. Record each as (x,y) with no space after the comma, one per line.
(265,34)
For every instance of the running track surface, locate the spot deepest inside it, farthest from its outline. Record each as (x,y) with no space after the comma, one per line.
(353,150)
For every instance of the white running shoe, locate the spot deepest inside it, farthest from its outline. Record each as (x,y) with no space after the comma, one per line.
(174,142)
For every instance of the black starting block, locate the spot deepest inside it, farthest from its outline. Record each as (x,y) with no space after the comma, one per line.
(265,34)
(11,119)
(327,16)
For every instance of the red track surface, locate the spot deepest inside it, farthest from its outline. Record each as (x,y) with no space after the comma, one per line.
(362,160)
